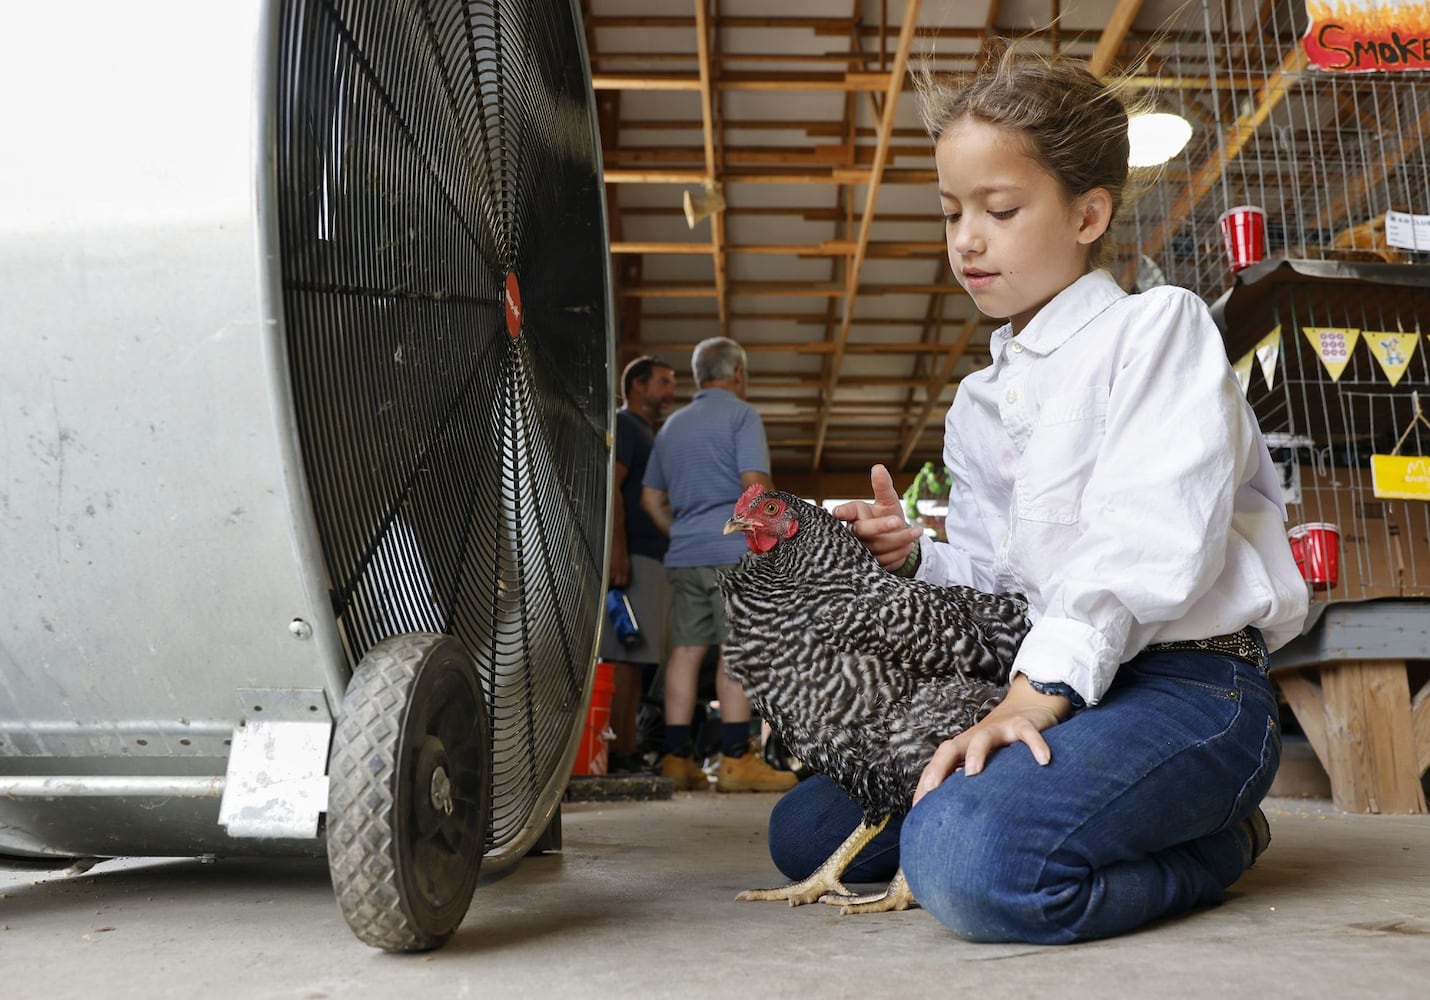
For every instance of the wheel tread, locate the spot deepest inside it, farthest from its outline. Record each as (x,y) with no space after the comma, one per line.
(362,849)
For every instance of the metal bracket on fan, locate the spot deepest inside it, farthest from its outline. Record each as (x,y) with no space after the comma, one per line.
(277,783)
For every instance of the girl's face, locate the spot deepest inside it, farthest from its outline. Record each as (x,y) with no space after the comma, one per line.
(1015,239)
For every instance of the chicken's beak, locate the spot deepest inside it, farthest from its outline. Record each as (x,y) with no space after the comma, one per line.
(737,523)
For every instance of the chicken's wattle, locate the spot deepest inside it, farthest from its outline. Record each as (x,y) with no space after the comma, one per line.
(760,542)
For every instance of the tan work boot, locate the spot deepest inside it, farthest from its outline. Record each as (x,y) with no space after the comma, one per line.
(685,773)
(750,773)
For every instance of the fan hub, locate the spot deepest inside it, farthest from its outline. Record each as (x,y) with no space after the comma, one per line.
(512,298)
(441,792)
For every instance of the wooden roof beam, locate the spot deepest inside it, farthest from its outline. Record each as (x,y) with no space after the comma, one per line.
(779,289)
(930,333)
(835,175)
(766,82)
(783,58)
(820,25)
(712,176)
(866,221)
(821,155)
(1110,42)
(823,347)
(827,248)
(933,389)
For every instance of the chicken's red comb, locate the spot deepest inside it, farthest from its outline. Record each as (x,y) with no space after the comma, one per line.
(748,497)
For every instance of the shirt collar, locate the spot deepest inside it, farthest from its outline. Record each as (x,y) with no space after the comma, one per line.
(1068,312)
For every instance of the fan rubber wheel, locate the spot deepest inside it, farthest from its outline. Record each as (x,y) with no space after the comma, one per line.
(409,794)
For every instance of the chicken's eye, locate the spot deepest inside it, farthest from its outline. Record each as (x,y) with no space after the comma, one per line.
(772,508)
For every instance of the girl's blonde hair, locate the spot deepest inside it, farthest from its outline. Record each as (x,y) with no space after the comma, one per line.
(1073,123)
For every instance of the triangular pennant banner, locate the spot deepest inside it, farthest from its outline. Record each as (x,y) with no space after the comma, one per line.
(1392,350)
(1333,345)
(1267,352)
(1243,371)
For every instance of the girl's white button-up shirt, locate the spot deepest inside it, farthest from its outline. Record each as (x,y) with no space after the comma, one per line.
(1109,468)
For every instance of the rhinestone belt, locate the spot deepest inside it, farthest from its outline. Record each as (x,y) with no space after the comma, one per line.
(1244,645)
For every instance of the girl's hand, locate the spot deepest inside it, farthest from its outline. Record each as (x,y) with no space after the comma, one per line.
(880,525)
(1021,717)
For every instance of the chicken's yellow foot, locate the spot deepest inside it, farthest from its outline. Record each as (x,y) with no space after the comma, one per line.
(825,879)
(810,890)
(896,896)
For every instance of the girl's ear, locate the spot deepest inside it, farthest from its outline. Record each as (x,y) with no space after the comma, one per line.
(1094,214)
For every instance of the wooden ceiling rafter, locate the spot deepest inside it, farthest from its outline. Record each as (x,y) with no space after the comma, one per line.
(930,334)
(826,248)
(933,390)
(781,289)
(843,216)
(757,82)
(730,57)
(712,179)
(1113,37)
(912,423)
(825,154)
(803,254)
(820,347)
(842,25)
(854,267)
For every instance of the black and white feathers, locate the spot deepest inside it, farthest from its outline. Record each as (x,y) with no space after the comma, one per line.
(862,673)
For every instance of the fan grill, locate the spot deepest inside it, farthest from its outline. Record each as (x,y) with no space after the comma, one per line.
(458,473)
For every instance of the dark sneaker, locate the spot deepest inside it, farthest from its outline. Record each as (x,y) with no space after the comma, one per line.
(1258,832)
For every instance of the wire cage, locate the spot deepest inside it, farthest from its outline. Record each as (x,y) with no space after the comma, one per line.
(1326,415)
(1326,154)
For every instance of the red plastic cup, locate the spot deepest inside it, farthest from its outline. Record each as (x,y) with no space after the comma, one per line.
(1243,230)
(1316,547)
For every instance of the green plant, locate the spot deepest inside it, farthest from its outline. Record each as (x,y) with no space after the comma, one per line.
(930,483)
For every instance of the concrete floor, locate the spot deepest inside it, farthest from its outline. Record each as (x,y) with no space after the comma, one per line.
(640,903)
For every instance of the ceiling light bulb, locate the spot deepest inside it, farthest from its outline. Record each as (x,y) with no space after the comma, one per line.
(1156,138)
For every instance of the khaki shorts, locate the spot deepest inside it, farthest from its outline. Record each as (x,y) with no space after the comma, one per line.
(699,610)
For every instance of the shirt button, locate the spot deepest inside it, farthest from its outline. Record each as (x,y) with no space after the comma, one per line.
(1012,396)
(1017,347)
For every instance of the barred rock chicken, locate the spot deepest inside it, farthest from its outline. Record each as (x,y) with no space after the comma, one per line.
(860,672)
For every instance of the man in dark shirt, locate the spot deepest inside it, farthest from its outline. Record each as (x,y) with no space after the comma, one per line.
(637,549)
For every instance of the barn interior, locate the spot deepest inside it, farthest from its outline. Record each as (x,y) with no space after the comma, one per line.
(766,177)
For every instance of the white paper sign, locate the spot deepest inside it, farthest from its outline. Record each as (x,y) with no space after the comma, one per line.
(1409,232)
(1290,475)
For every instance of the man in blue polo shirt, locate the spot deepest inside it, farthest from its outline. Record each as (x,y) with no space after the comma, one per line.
(704,458)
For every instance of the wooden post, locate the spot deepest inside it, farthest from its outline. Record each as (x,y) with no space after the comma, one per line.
(1369,737)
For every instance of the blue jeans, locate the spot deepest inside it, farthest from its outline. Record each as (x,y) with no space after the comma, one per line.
(1137,817)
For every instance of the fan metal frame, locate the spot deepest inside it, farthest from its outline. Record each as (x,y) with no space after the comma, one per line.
(162,566)
(518,317)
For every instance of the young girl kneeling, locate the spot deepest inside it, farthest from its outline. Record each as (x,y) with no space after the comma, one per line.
(1105,465)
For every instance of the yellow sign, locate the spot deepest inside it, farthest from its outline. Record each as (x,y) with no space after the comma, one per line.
(1400,477)
(1333,345)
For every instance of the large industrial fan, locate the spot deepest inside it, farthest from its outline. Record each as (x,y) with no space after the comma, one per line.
(305,441)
